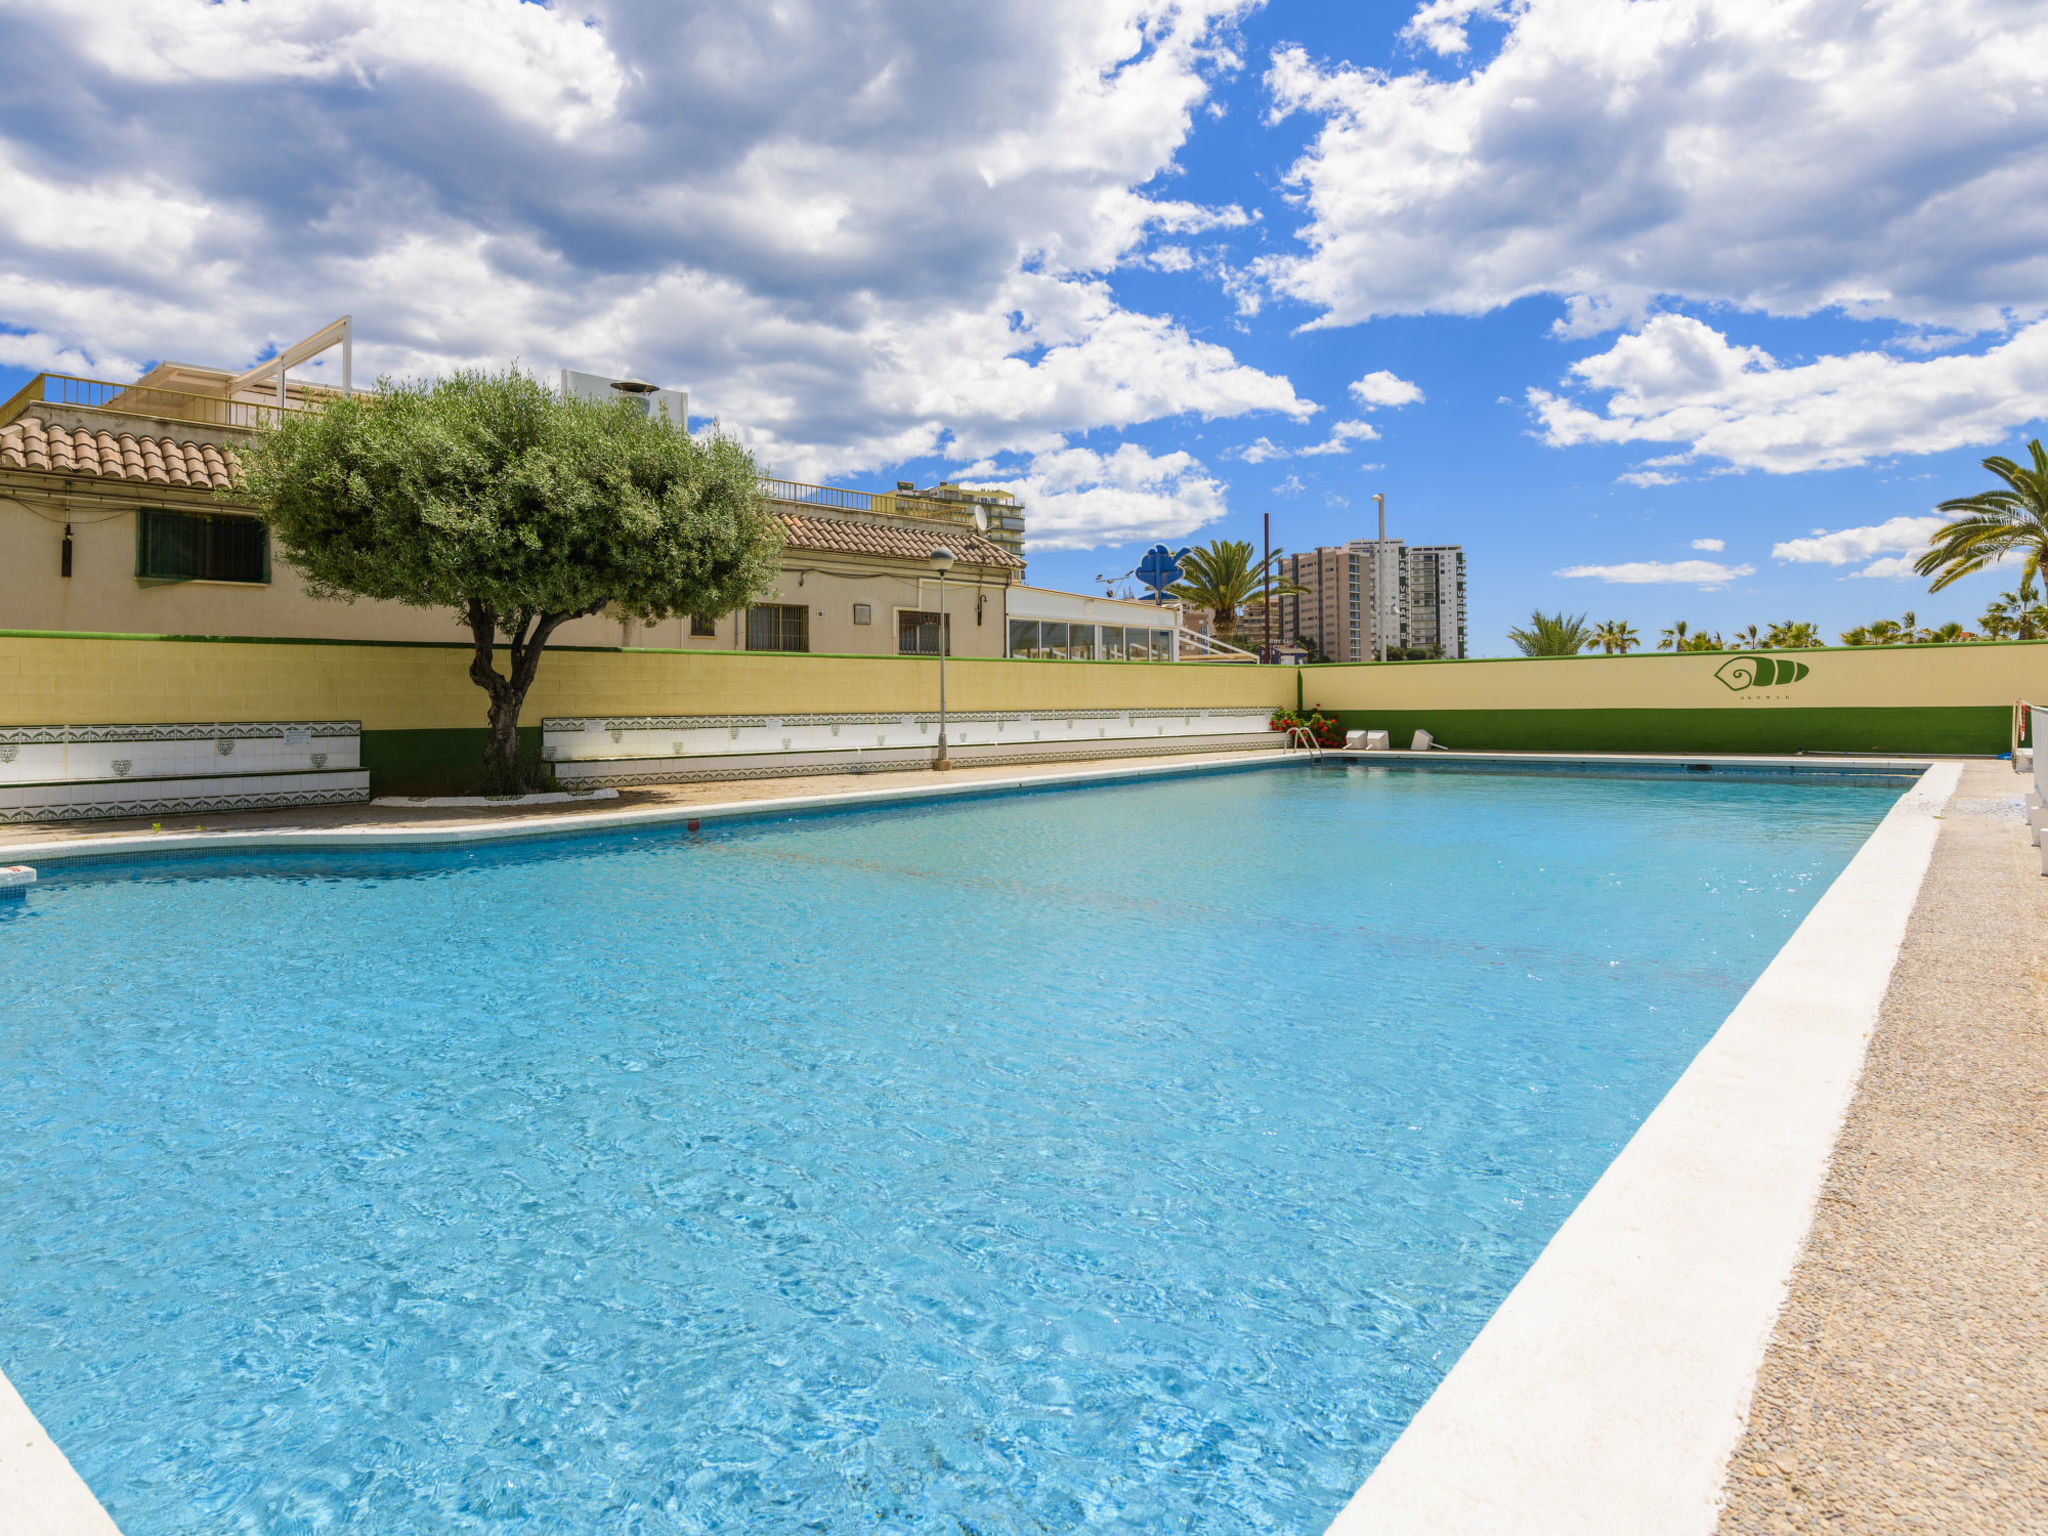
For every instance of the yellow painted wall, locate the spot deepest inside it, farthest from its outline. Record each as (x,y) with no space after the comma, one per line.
(1868,677)
(73,680)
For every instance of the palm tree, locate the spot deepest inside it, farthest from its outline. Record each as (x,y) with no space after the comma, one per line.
(2015,615)
(1993,525)
(1552,634)
(1224,577)
(1860,635)
(1749,640)
(1950,633)
(1681,637)
(1616,638)
(1786,635)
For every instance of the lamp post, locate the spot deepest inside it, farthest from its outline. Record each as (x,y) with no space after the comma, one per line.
(942,562)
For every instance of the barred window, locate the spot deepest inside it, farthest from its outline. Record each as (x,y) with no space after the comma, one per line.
(917,632)
(701,626)
(200,546)
(779,627)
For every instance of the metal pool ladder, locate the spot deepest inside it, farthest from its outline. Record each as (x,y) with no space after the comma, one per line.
(1302,736)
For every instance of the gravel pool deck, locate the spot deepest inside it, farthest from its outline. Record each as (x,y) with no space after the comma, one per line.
(1906,1386)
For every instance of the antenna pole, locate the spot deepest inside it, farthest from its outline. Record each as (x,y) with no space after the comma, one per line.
(1266,589)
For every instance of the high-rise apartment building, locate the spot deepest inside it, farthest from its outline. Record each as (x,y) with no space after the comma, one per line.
(1417,593)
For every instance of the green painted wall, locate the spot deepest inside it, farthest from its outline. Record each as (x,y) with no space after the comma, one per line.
(1972,729)
(446,762)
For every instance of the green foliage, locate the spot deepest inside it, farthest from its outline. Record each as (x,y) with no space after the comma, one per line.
(1788,635)
(1552,634)
(1681,637)
(1616,638)
(2016,615)
(1223,576)
(486,494)
(1994,525)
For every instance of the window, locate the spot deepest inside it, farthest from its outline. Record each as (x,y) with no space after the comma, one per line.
(779,627)
(1162,645)
(1052,638)
(200,546)
(863,613)
(1081,642)
(917,632)
(1023,637)
(700,626)
(1112,642)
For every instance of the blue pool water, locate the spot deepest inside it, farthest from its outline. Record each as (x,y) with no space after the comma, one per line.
(1134,1158)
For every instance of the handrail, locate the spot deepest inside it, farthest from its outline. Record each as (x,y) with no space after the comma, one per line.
(79,393)
(1211,647)
(1307,739)
(2025,726)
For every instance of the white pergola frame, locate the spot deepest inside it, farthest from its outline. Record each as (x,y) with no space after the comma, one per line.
(339,333)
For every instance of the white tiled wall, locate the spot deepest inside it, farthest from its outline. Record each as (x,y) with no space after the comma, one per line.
(696,736)
(56,772)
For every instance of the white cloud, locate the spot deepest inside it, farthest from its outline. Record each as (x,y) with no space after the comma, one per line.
(1779,155)
(1080,498)
(625,185)
(1712,546)
(1649,478)
(1341,437)
(1700,573)
(1905,536)
(1440,25)
(1677,380)
(1384,388)
(1891,568)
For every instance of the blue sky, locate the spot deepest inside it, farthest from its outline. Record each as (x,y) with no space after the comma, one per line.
(1705,302)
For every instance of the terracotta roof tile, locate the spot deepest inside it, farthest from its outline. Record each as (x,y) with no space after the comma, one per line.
(852,536)
(29,444)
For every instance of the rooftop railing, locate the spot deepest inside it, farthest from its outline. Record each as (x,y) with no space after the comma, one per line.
(1005,523)
(72,392)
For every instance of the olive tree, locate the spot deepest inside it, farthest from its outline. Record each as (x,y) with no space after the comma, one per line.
(487,494)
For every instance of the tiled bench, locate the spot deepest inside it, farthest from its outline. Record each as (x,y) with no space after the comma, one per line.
(66,772)
(644,749)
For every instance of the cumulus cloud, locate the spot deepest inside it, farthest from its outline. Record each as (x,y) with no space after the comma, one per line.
(1891,568)
(1678,380)
(1712,546)
(1698,573)
(769,206)
(1845,546)
(1384,388)
(1080,498)
(1341,437)
(1779,155)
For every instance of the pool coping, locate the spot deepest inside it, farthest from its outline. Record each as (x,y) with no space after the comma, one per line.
(1606,1394)
(484,829)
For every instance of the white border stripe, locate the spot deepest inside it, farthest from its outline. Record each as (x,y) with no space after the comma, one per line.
(1607,1393)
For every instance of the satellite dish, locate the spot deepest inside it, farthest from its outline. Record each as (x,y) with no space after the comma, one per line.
(980,519)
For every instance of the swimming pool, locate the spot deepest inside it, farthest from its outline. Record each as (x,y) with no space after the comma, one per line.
(1126,1157)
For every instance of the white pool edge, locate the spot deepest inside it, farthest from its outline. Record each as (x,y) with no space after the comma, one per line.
(40,1491)
(1607,1393)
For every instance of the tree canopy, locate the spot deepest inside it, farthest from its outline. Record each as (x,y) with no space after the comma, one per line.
(487,494)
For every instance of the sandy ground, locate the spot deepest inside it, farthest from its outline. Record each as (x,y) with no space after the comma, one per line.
(329,818)
(1906,1386)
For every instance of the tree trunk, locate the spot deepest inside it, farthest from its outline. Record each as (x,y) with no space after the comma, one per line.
(528,632)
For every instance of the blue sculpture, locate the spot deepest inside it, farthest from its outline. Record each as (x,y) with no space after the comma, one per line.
(1160,570)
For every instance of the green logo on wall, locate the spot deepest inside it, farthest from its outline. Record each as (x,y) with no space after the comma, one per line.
(1742,672)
